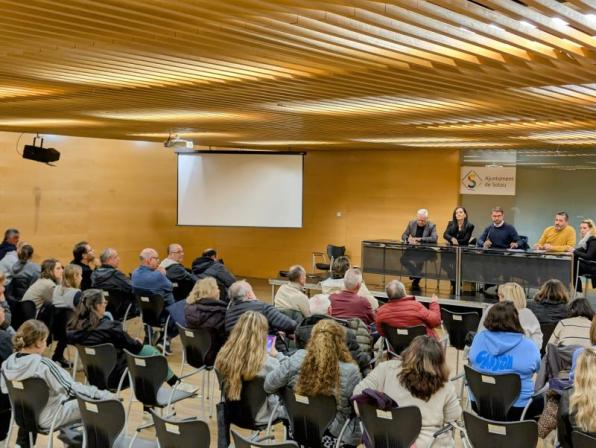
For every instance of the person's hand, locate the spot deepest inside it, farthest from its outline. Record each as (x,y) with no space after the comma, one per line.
(139,340)
(434,299)
(547,246)
(273,352)
(454,241)
(537,246)
(513,245)
(162,270)
(487,244)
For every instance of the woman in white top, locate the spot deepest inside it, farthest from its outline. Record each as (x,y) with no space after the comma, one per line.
(513,292)
(421,379)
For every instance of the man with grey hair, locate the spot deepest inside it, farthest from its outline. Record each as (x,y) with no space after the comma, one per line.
(418,231)
(320,308)
(182,279)
(107,276)
(243,299)
(10,241)
(347,304)
(402,310)
(290,296)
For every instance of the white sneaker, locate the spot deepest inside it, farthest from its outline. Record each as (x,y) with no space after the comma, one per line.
(186,387)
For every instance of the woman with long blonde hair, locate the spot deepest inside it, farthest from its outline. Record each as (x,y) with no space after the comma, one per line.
(325,367)
(244,357)
(577,409)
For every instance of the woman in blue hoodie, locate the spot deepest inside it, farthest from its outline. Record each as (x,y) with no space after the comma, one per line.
(503,348)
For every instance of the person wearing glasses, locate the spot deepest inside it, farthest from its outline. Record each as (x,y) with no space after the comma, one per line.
(175,270)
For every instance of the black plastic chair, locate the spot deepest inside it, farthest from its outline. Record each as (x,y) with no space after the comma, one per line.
(494,394)
(120,304)
(398,339)
(309,416)
(241,442)
(484,433)
(547,331)
(182,289)
(396,428)
(28,398)
(332,253)
(151,307)
(103,421)
(458,326)
(21,311)
(582,440)
(98,363)
(181,433)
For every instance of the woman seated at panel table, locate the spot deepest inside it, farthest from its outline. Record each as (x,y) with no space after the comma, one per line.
(458,233)
(585,253)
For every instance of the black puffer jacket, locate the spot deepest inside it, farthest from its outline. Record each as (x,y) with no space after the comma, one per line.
(209,314)
(208,267)
(304,330)
(548,312)
(110,278)
(277,321)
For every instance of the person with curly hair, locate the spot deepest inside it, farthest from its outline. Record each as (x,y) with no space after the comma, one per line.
(420,378)
(327,368)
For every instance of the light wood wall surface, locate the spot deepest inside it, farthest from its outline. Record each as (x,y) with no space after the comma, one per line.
(122,194)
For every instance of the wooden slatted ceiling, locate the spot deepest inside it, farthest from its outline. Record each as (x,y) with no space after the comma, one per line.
(303,74)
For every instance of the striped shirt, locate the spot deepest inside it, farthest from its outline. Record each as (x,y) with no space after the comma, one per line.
(572,331)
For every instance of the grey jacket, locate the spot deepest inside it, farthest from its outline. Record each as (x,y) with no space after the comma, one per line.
(349,376)
(428,236)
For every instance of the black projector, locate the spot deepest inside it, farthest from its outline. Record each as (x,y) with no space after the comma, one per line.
(40,154)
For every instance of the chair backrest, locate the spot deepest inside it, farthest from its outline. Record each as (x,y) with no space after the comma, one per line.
(582,440)
(396,428)
(196,343)
(495,434)
(241,442)
(61,318)
(28,398)
(22,311)
(98,362)
(118,302)
(494,394)
(334,252)
(103,421)
(458,325)
(309,416)
(547,331)
(181,433)
(182,289)
(243,412)
(400,338)
(151,306)
(147,374)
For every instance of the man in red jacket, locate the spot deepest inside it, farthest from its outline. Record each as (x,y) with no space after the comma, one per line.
(347,304)
(402,310)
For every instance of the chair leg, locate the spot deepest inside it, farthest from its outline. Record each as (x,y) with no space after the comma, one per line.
(10,426)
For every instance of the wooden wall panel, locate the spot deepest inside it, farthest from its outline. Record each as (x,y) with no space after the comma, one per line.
(123,194)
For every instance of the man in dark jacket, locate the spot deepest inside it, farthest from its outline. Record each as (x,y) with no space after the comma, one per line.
(9,244)
(320,308)
(180,277)
(83,255)
(243,299)
(207,265)
(107,276)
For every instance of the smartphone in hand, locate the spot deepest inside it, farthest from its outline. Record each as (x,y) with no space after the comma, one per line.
(270,343)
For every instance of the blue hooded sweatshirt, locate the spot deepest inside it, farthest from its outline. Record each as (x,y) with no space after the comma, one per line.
(499,352)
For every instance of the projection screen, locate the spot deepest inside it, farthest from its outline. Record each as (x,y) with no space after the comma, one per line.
(240,189)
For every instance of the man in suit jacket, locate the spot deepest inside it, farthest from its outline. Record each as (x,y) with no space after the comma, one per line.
(418,231)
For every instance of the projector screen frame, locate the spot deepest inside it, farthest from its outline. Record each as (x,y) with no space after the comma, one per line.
(231,151)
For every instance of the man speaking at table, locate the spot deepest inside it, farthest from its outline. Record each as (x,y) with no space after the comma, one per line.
(558,238)
(499,235)
(419,231)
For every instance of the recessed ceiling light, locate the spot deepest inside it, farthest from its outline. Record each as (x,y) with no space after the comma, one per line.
(559,21)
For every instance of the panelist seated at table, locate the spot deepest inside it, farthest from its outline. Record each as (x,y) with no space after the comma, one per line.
(499,235)
(419,231)
(559,237)
(458,233)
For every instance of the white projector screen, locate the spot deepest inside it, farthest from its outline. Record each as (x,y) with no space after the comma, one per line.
(240,189)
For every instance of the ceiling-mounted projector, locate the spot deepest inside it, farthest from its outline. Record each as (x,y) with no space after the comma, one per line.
(177,142)
(39,153)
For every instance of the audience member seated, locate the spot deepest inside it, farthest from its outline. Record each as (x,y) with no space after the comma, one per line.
(42,291)
(203,309)
(290,296)
(402,310)
(207,265)
(550,302)
(83,256)
(577,408)
(66,295)
(7,316)
(10,241)
(243,299)
(23,273)
(585,252)
(335,283)
(502,348)
(90,326)
(499,235)
(9,260)
(29,362)
(107,276)
(557,238)
(420,378)
(347,304)
(149,278)
(175,270)
(575,329)
(580,350)
(320,309)
(5,352)
(325,368)
(513,292)
(244,357)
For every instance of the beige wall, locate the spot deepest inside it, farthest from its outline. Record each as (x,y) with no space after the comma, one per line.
(123,194)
